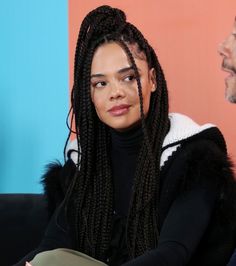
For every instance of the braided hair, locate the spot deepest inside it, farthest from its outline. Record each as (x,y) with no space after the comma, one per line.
(89,202)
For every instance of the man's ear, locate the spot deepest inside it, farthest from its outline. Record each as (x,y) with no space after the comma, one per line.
(152,76)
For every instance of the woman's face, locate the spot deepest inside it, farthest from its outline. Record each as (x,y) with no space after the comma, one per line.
(114,90)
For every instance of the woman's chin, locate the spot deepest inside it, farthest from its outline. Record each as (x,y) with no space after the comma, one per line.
(122,127)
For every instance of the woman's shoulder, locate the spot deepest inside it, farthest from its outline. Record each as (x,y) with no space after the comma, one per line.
(200,159)
(196,155)
(198,151)
(187,134)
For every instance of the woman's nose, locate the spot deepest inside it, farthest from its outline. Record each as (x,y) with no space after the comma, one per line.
(116,91)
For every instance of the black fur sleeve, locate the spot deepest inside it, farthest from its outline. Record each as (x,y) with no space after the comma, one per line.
(56,181)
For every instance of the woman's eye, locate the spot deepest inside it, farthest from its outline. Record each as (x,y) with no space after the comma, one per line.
(99,84)
(129,78)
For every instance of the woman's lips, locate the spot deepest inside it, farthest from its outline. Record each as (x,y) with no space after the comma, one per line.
(119,110)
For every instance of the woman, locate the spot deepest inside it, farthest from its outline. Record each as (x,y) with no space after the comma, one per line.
(140,186)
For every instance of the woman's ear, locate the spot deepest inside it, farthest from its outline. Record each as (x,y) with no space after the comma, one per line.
(152,76)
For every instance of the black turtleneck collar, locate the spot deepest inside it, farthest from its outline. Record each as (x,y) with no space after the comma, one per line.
(129,140)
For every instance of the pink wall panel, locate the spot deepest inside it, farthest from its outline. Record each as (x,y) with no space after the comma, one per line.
(185,35)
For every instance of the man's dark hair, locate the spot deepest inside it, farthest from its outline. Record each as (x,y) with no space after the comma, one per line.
(90,196)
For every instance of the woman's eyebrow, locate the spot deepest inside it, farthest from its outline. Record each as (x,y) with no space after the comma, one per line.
(97,75)
(127,69)
(120,71)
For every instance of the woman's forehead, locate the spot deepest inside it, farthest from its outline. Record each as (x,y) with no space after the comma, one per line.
(110,57)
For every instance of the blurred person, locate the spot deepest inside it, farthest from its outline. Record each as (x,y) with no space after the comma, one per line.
(227,49)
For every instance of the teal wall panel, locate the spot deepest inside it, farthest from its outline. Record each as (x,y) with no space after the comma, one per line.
(33,90)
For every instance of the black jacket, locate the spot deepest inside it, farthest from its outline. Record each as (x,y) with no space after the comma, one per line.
(194,166)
